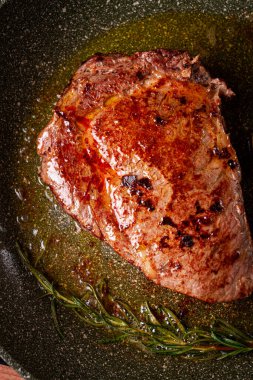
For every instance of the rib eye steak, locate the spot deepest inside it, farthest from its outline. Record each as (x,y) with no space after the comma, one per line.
(136,151)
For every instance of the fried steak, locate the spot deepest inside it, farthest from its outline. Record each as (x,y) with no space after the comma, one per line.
(137,153)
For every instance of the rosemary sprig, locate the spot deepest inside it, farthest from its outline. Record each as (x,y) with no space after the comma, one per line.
(158,329)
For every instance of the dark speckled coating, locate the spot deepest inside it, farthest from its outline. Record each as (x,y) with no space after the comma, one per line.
(35,38)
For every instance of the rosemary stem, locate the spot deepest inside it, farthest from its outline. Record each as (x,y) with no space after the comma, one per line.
(162,334)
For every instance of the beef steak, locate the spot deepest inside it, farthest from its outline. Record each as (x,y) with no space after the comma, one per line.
(136,151)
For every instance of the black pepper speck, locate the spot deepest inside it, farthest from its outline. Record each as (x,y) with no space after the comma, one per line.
(232,164)
(186,241)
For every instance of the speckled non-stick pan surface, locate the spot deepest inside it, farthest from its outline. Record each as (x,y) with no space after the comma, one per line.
(41,43)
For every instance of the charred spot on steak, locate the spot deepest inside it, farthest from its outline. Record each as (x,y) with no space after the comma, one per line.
(136,151)
(138,192)
(205,235)
(186,241)
(140,75)
(232,164)
(199,209)
(183,100)
(217,206)
(146,203)
(167,221)
(221,153)
(224,153)
(87,87)
(164,242)
(159,120)
(145,182)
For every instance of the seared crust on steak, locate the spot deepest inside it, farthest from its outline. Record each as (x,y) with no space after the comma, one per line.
(136,151)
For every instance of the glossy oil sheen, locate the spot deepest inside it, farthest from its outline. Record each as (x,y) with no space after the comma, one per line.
(70,256)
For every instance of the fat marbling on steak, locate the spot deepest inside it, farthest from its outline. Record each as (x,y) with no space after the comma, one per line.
(136,151)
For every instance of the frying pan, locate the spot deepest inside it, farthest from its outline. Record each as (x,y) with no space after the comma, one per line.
(42,41)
